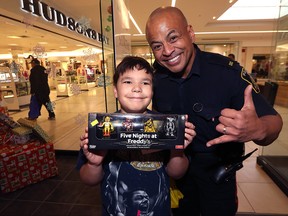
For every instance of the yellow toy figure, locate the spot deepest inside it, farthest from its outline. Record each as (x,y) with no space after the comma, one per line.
(149,126)
(107,126)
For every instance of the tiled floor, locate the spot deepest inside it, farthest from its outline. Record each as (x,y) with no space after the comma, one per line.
(66,195)
(57,196)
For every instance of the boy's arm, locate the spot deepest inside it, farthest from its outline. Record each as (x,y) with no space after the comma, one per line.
(178,163)
(91,173)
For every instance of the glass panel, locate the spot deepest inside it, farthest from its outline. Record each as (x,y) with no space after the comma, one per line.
(280,73)
(107,59)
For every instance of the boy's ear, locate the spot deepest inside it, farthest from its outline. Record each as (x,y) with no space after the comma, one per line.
(115,92)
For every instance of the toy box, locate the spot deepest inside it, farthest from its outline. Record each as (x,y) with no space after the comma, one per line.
(135,131)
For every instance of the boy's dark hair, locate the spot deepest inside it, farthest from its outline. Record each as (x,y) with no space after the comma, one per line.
(129,63)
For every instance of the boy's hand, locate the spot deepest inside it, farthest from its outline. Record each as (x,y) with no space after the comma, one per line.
(93,159)
(189,132)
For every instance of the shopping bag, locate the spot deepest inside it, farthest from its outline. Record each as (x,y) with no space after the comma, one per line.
(175,194)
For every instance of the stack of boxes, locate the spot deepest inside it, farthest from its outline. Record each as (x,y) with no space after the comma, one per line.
(27,154)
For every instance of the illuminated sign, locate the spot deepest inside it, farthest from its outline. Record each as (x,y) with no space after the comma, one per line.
(51,14)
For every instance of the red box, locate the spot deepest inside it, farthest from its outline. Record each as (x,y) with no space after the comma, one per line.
(4,110)
(21,165)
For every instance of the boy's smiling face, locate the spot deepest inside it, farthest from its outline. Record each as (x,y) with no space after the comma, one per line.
(134,91)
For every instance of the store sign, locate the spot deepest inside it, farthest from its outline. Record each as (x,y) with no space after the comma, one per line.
(50,14)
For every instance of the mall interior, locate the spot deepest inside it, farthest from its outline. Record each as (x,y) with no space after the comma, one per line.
(80,43)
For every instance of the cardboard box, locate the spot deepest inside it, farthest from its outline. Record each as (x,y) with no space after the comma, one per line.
(38,131)
(21,165)
(135,131)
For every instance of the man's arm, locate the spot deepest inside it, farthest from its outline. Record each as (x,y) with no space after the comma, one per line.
(269,129)
(244,125)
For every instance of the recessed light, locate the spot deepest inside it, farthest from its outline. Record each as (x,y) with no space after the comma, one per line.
(13,36)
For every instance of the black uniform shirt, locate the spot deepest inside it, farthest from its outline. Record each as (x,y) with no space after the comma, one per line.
(214,83)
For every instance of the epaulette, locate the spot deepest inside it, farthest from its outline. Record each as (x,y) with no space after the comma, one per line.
(214,58)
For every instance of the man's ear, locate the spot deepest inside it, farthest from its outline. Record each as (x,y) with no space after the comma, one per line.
(191,32)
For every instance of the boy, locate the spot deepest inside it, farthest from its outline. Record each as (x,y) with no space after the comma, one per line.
(134,182)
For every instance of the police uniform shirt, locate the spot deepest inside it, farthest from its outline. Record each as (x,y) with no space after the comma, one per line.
(214,83)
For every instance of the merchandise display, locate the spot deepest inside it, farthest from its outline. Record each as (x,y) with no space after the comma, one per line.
(135,131)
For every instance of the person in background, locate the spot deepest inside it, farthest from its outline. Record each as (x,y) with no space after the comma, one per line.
(40,91)
(133,182)
(231,56)
(221,100)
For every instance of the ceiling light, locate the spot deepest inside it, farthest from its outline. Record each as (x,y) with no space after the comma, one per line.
(134,22)
(13,36)
(252,10)
(241,32)
(173,3)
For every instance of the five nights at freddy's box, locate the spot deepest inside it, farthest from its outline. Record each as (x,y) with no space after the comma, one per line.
(135,131)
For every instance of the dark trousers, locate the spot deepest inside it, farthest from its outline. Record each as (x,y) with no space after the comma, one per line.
(36,105)
(202,196)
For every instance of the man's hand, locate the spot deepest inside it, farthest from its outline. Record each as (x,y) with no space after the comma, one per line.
(238,126)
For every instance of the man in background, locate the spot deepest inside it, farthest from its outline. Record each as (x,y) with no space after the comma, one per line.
(40,91)
(231,56)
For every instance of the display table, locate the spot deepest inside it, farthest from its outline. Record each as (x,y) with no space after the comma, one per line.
(82,82)
(282,94)
(15,93)
(63,86)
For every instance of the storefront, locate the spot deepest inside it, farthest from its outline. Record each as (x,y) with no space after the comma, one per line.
(75,46)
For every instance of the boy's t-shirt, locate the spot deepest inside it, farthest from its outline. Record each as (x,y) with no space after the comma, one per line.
(135,184)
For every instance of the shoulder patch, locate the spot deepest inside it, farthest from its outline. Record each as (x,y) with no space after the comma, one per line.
(249,79)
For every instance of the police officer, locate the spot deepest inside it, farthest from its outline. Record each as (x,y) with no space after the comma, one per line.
(222,101)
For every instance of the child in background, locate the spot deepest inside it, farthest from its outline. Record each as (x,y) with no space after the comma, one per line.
(133,182)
